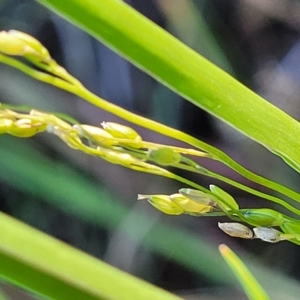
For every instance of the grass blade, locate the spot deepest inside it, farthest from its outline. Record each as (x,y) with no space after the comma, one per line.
(44,265)
(250,285)
(184,71)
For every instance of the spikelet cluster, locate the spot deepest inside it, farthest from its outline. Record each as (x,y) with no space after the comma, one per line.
(113,142)
(217,202)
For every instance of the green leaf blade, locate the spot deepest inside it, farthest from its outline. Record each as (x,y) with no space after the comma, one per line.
(250,285)
(46,266)
(184,71)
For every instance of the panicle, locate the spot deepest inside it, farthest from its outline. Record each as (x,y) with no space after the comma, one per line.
(20,125)
(123,132)
(263,217)
(226,201)
(267,234)
(189,205)
(163,203)
(18,43)
(26,128)
(96,134)
(5,124)
(164,156)
(198,196)
(236,230)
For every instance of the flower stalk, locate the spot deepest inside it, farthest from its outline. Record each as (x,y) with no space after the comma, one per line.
(122,145)
(55,75)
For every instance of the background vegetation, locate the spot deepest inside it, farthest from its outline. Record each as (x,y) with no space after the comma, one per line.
(91,204)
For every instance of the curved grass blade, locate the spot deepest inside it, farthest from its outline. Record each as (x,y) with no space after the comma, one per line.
(73,86)
(46,266)
(250,285)
(186,72)
(215,153)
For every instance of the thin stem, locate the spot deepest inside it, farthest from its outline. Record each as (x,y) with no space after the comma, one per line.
(208,173)
(216,154)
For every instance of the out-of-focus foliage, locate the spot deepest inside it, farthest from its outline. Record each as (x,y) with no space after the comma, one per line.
(255,40)
(250,285)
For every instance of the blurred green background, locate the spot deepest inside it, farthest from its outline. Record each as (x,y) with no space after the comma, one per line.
(92,205)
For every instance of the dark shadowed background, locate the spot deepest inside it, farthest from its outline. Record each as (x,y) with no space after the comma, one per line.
(90,203)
